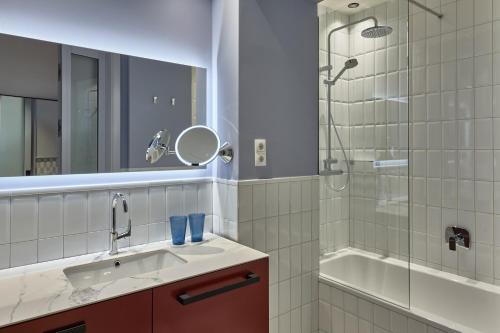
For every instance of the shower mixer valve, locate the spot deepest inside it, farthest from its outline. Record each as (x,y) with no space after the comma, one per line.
(328,163)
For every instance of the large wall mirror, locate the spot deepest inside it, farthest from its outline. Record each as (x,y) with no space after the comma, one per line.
(69,110)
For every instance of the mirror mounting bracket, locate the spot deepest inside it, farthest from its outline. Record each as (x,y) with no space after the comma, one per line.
(226,153)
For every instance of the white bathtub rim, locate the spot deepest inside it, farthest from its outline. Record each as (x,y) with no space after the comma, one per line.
(414,267)
(415,313)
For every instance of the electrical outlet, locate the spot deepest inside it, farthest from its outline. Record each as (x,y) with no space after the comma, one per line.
(260,152)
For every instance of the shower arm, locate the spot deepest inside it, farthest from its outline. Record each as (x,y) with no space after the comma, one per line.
(329,67)
(375,21)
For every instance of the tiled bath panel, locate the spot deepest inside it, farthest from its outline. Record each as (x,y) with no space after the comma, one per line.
(59,225)
(449,124)
(281,217)
(343,312)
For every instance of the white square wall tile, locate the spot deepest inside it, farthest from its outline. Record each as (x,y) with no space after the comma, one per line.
(4,256)
(284,294)
(170,201)
(99,210)
(50,249)
(4,220)
(295,196)
(416,326)
(484,196)
(245,205)
(24,253)
(231,204)
(483,11)
(245,233)
(139,206)
(258,201)
(140,235)
(381,317)
(484,134)
(272,199)
(284,231)
(75,245)
(98,241)
(284,198)
(50,216)
(325,319)
(399,323)
(484,165)
(24,219)
(75,213)
(483,102)
(158,205)
(205,200)
(157,232)
(259,235)
(483,39)
(295,228)
(190,198)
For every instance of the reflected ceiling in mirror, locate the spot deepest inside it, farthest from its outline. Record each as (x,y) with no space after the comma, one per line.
(70,110)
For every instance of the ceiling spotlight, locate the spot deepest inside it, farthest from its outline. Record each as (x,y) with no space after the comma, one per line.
(353,5)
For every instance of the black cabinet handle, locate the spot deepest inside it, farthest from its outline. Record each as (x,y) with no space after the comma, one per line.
(75,328)
(186,299)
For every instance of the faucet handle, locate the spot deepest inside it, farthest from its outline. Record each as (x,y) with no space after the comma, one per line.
(452,244)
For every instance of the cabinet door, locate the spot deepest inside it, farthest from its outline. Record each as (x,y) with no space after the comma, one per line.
(127,314)
(228,301)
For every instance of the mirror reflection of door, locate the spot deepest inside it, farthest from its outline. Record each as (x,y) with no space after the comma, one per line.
(12,136)
(82,110)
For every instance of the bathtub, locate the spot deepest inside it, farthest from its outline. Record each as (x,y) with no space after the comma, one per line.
(446,301)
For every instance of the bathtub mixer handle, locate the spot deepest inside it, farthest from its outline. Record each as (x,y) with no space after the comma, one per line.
(457,236)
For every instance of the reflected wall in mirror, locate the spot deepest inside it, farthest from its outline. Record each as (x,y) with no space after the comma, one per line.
(69,110)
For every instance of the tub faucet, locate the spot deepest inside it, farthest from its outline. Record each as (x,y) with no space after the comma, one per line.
(115,236)
(457,236)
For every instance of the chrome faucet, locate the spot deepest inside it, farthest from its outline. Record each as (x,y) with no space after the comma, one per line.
(457,236)
(115,236)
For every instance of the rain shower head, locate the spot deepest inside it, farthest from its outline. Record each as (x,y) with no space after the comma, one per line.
(376,31)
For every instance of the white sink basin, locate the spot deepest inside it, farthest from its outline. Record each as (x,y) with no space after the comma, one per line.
(84,276)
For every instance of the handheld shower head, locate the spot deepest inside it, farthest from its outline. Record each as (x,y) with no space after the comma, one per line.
(349,64)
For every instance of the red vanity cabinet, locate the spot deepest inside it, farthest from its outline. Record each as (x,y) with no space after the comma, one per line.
(228,301)
(126,314)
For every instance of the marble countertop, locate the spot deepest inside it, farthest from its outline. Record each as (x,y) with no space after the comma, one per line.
(42,289)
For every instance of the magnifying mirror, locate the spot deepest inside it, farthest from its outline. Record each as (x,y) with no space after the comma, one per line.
(200,145)
(158,146)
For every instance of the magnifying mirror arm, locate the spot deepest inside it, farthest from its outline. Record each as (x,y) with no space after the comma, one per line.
(168,151)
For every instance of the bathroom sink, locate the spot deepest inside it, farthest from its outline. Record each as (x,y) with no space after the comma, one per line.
(87,275)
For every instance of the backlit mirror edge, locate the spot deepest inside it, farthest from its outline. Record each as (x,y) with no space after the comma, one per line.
(11,186)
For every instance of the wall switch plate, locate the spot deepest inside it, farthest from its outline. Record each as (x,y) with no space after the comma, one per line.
(260,152)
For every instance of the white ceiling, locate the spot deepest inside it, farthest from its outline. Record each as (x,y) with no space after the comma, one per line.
(341,5)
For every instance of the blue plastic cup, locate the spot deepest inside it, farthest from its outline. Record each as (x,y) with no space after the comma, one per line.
(196,225)
(178,226)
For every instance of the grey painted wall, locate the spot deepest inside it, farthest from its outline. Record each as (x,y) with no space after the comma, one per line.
(278,87)
(28,68)
(225,16)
